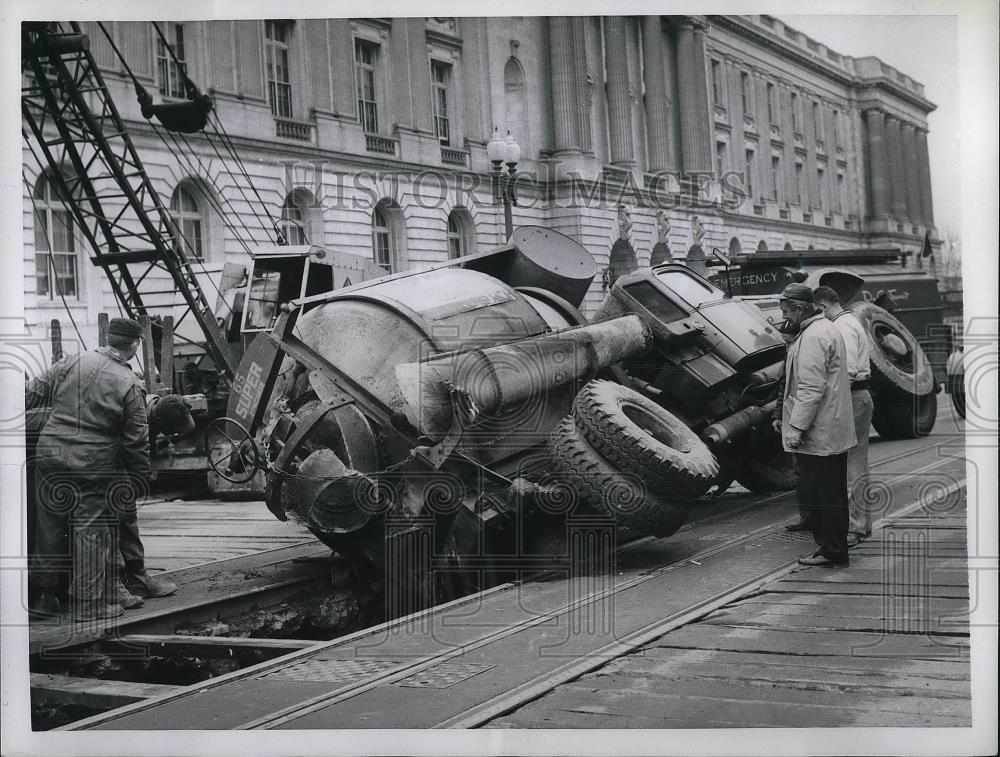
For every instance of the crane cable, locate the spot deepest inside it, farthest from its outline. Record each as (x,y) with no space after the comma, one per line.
(227,141)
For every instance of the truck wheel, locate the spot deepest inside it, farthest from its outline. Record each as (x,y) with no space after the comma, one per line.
(607,489)
(897,360)
(958,400)
(767,468)
(904,417)
(635,434)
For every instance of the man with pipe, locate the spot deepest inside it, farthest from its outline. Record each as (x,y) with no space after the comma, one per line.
(817,422)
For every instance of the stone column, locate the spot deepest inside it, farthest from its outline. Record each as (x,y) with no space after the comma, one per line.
(911,174)
(692,87)
(878,164)
(897,171)
(619,96)
(658,113)
(924,163)
(583,136)
(564,104)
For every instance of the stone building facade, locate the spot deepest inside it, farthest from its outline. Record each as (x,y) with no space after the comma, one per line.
(639,136)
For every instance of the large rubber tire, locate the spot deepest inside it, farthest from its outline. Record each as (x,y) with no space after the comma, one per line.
(767,468)
(606,489)
(958,401)
(911,373)
(635,434)
(904,417)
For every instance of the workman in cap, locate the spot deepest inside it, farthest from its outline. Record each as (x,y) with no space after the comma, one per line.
(95,437)
(817,422)
(858,369)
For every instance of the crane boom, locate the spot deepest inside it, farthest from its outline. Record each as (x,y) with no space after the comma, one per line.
(100,178)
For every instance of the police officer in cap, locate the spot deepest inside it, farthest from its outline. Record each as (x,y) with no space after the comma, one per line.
(96,437)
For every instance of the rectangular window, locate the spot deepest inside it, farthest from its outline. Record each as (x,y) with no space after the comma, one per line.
(841,201)
(440,79)
(820,176)
(799,183)
(817,122)
(775,176)
(749,174)
(365,57)
(170,73)
(720,159)
(836,129)
(277,36)
(718,96)
(746,93)
(54,232)
(772,106)
(795,113)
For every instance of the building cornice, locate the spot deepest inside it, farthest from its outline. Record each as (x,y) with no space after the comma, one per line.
(771,41)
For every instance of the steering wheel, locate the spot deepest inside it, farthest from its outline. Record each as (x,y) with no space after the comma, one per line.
(242,461)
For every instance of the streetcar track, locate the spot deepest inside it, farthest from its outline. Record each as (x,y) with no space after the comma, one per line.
(532,690)
(367,683)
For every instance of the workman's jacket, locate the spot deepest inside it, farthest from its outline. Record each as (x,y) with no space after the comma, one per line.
(817,394)
(98,414)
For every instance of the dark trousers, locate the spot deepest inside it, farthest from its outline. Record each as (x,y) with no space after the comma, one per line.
(83,519)
(822,489)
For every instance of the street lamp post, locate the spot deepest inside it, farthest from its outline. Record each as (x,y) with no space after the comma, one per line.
(500,151)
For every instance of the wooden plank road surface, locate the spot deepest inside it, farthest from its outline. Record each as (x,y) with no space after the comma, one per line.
(884,642)
(178,534)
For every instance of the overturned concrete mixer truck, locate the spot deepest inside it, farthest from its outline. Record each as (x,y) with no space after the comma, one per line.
(455,419)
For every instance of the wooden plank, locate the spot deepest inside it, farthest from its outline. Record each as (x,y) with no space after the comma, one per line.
(55,333)
(93,693)
(178,645)
(904,674)
(847,643)
(771,691)
(687,708)
(878,576)
(167,353)
(896,590)
(148,357)
(951,670)
(102,329)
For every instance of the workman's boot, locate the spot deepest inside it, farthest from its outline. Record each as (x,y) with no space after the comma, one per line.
(99,610)
(119,594)
(45,602)
(799,525)
(144,585)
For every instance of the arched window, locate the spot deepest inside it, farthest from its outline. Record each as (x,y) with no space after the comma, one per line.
(788,246)
(187,215)
(389,237)
(56,268)
(292,223)
(734,247)
(461,234)
(762,246)
(382,240)
(515,103)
